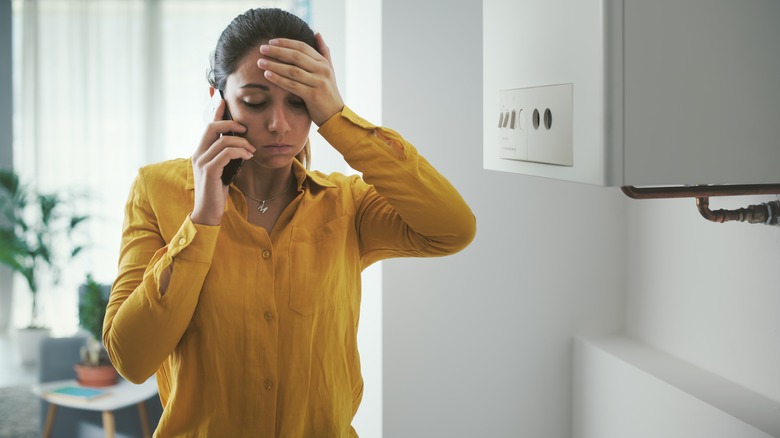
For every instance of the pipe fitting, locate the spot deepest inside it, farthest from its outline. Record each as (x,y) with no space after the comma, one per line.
(767,213)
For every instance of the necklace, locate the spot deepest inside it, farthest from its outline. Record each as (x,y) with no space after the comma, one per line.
(262,208)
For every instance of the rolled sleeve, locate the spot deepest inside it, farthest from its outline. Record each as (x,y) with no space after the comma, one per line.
(194,242)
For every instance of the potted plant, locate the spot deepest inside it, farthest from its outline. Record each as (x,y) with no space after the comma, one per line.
(36,239)
(95,368)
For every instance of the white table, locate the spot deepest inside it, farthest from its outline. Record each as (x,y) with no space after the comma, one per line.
(121,395)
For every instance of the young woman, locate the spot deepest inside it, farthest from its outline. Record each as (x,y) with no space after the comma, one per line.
(244,298)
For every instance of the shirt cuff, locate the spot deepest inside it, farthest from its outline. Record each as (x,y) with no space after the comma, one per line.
(345,129)
(194,242)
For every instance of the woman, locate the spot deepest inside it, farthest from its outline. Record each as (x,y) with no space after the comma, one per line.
(244,298)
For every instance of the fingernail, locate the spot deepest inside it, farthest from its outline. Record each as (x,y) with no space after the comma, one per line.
(273,42)
(264,49)
(268,74)
(262,62)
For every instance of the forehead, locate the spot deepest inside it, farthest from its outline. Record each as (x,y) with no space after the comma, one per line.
(247,70)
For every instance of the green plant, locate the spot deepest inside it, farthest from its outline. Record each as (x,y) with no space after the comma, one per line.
(92,307)
(36,234)
(92,312)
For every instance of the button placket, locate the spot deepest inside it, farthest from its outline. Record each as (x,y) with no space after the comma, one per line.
(266,254)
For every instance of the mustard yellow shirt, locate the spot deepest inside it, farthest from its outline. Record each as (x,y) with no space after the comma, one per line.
(256,334)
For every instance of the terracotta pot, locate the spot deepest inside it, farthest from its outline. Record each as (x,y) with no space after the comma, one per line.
(102,375)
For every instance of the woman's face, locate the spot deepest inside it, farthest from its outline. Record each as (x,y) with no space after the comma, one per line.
(277,121)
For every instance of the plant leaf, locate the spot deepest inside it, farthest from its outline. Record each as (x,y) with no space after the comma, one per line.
(76,220)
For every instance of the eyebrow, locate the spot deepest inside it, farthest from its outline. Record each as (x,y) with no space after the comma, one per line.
(260,86)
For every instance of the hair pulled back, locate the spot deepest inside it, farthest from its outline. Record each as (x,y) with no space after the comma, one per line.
(245,33)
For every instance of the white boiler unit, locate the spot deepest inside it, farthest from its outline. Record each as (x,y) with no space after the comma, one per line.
(633,92)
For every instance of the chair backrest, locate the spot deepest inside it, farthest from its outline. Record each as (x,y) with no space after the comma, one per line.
(58,356)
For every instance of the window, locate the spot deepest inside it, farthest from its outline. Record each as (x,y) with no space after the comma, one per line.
(102,88)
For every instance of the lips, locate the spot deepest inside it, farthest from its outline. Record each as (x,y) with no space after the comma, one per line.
(277,148)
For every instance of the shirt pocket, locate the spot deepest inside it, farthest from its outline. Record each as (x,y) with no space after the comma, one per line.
(317,266)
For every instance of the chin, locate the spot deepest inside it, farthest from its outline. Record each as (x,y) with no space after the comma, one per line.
(274,162)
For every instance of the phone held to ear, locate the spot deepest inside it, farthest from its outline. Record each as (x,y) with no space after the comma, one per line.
(232,168)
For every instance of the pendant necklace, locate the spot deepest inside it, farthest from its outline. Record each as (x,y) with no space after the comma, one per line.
(262,208)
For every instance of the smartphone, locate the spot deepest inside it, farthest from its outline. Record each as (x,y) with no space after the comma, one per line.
(231,170)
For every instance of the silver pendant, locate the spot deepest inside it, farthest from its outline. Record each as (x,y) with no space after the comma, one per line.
(262,208)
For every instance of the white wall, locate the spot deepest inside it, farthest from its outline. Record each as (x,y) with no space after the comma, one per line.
(480,343)
(706,292)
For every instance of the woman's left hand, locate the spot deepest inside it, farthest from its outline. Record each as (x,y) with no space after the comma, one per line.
(298,68)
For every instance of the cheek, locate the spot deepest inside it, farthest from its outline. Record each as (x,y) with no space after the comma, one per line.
(302,125)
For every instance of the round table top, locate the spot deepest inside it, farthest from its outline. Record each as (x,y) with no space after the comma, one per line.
(116,396)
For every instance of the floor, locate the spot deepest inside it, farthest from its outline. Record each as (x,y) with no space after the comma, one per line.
(19,408)
(12,372)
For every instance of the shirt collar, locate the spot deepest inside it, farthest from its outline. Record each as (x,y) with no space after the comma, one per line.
(301,175)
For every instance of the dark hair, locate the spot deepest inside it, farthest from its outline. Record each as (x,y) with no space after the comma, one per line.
(246,32)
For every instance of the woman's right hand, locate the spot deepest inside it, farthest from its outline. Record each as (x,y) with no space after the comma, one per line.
(213,154)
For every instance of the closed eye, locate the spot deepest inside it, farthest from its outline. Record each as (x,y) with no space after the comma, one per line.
(255,104)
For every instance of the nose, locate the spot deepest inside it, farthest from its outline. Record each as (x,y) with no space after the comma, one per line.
(278,121)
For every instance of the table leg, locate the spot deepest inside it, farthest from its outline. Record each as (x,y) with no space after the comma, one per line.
(108,424)
(144,420)
(49,420)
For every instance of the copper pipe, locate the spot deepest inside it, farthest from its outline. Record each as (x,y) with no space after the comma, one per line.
(767,213)
(698,191)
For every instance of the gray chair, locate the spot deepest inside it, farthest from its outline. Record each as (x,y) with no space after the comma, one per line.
(58,356)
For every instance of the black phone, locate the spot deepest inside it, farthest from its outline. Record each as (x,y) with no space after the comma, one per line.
(231,170)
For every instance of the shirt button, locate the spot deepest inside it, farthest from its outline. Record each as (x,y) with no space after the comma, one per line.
(266,254)
(268,384)
(182,241)
(268,316)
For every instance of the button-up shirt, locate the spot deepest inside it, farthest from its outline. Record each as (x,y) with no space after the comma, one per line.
(256,333)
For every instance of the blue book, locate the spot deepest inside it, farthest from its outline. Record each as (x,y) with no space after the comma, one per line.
(78,392)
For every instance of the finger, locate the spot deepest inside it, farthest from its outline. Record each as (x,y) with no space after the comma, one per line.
(323,48)
(288,46)
(308,60)
(213,165)
(287,71)
(216,132)
(227,142)
(225,127)
(218,129)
